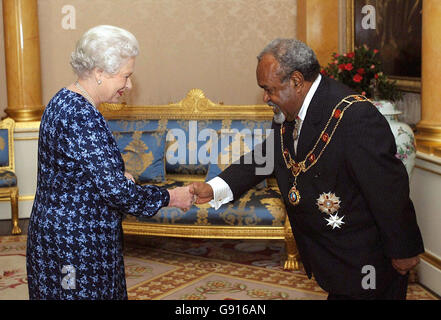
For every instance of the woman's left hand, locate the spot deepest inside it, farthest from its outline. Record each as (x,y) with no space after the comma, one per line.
(129,176)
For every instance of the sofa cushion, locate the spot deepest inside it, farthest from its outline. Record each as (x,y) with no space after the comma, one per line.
(257,208)
(4,148)
(185,140)
(231,144)
(143,153)
(7,179)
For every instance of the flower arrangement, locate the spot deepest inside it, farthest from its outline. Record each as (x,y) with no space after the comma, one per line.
(361,70)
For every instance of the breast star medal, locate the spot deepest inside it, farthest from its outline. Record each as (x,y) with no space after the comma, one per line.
(329,204)
(335,221)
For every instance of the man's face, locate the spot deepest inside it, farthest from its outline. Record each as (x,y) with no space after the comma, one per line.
(280,95)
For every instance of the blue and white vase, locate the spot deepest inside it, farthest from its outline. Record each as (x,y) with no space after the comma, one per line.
(404,137)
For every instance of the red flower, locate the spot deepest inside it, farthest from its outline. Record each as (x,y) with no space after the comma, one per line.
(351,55)
(376,76)
(357,78)
(349,66)
(375,51)
(341,66)
(360,71)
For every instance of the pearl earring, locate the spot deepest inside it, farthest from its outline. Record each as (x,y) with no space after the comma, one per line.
(99,82)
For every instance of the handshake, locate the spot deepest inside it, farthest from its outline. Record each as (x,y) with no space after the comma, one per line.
(185,197)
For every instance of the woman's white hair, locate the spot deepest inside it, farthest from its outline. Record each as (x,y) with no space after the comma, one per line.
(103,47)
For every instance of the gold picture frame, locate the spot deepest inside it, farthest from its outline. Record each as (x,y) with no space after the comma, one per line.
(410,84)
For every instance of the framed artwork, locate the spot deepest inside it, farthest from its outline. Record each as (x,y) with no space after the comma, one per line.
(394,27)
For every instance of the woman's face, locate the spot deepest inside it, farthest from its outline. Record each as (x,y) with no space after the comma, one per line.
(113,86)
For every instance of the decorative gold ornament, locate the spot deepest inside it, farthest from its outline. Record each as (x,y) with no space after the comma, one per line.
(294,196)
(328,203)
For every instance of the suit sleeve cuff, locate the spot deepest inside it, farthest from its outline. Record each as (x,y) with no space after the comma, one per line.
(221,192)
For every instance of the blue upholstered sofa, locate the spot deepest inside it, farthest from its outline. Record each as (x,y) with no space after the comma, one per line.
(193,140)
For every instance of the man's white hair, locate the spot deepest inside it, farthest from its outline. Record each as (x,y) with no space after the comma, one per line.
(104,47)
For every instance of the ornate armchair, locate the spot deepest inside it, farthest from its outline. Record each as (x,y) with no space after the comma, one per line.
(8,179)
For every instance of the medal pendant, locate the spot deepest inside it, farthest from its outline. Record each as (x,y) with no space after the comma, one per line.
(294,196)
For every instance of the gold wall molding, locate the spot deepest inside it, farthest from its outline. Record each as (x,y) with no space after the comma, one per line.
(25,138)
(428,138)
(350,25)
(30,126)
(431,259)
(22,56)
(428,170)
(21,198)
(429,158)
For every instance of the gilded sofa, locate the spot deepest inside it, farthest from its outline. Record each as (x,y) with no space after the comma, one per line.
(172,145)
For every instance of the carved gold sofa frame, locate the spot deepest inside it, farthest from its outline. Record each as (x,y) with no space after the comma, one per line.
(195,106)
(8,179)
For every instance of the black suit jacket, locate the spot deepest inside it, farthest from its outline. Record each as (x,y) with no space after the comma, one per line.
(359,166)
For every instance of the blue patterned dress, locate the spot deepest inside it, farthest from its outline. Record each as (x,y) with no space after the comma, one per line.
(74,248)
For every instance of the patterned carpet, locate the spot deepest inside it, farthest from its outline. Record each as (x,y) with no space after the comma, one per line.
(190,269)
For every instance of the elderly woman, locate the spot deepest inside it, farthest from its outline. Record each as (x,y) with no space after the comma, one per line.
(74,248)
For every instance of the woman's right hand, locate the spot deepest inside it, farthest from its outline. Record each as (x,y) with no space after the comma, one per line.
(181,197)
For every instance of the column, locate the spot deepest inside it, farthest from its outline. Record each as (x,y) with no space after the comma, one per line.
(22,55)
(318,27)
(428,137)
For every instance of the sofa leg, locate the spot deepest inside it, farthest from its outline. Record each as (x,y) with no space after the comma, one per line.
(14,209)
(292,261)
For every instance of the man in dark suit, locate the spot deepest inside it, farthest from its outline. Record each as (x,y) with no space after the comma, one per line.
(346,194)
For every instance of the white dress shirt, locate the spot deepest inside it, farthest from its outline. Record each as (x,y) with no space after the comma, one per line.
(221,190)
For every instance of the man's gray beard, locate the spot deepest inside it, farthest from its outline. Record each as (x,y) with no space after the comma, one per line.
(279,117)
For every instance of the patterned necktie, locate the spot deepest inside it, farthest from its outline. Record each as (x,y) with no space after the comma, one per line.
(295,133)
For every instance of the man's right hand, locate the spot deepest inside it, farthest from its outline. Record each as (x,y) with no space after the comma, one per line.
(203,191)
